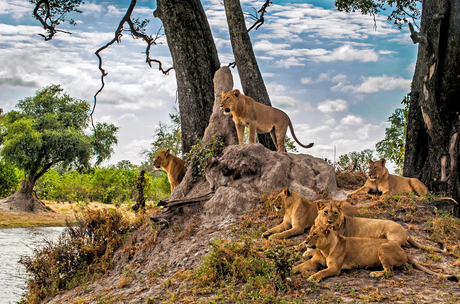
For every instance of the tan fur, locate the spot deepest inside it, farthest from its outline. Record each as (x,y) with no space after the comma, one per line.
(174,166)
(332,214)
(337,252)
(259,118)
(381,181)
(299,214)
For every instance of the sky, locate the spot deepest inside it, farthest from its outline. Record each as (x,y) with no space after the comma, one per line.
(338,76)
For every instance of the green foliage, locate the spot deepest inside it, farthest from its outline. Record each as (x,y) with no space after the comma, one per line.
(392,147)
(49,129)
(201,153)
(107,185)
(82,253)
(282,261)
(355,161)
(10,178)
(403,9)
(167,137)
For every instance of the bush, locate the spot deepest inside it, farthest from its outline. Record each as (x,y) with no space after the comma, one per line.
(10,178)
(82,253)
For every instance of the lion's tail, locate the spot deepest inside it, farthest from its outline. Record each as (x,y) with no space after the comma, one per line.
(422,268)
(295,138)
(411,241)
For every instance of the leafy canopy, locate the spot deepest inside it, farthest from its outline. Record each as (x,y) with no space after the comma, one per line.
(49,129)
(392,147)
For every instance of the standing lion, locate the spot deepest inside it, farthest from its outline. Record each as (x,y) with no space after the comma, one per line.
(259,118)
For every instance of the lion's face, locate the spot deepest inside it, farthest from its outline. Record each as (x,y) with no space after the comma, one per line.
(285,196)
(330,213)
(229,100)
(318,237)
(376,169)
(161,160)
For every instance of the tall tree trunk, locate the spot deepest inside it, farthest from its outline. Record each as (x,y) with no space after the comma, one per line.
(433,141)
(195,61)
(251,78)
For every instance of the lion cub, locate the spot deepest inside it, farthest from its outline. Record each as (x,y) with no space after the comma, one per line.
(174,166)
(259,118)
(380,180)
(337,252)
(299,214)
(333,214)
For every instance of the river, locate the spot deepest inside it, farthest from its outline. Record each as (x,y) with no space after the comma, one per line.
(14,243)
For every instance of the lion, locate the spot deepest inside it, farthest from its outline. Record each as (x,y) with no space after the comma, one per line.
(259,118)
(174,166)
(381,181)
(338,252)
(333,214)
(299,214)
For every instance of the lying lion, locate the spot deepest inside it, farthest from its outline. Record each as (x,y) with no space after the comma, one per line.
(381,181)
(259,118)
(333,214)
(337,252)
(174,166)
(299,214)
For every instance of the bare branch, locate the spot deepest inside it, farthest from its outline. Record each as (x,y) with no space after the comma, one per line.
(117,38)
(259,20)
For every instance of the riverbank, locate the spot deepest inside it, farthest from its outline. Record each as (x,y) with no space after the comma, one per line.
(56,217)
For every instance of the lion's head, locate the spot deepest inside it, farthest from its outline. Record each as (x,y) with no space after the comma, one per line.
(319,237)
(285,198)
(229,100)
(376,169)
(330,213)
(162,159)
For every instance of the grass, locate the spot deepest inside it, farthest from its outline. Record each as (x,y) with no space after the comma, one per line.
(62,212)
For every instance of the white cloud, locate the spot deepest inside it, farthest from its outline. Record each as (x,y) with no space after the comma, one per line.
(351,120)
(114,11)
(91,8)
(287,63)
(374,84)
(16,8)
(348,53)
(338,105)
(306,80)
(284,102)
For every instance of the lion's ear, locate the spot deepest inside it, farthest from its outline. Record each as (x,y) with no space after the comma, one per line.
(383,161)
(236,93)
(286,191)
(223,94)
(370,162)
(320,205)
(167,152)
(340,206)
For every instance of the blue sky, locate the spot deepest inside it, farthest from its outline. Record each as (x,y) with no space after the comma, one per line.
(336,76)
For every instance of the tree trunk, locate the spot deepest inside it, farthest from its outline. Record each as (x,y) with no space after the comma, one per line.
(251,78)
(432,143)
(195,61)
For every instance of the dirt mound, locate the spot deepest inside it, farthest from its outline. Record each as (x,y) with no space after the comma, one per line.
(19,202)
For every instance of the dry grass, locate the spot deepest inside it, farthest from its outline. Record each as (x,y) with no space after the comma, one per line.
(62,211)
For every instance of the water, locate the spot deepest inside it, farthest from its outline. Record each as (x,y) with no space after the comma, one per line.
(14,243)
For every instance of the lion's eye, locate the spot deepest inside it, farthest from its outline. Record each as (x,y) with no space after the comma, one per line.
(335,213)
(325,212)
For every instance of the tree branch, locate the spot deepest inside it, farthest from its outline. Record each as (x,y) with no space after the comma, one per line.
(259,20)
(50,28)
(117,38)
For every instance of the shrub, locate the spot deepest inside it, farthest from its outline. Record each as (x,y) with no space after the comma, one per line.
(10,178)
(82,253)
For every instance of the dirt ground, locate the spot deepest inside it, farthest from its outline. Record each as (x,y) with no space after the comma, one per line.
(154,267)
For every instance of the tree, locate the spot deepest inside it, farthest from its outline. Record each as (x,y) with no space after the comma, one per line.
(392,147)
(166,137)
(10,177)
(433,143)
(356,161)
(48,130)
(195,61)
(248,70)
